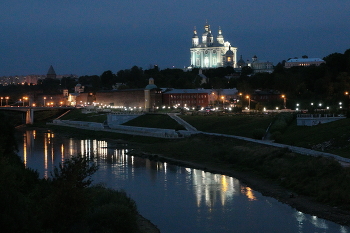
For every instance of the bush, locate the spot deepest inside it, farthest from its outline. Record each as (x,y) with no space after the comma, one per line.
(277,136)
(111,211)
(258,133)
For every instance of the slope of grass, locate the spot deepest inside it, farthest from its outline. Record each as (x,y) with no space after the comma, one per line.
(331,137)
(241,125)
(162,121)
(77,115)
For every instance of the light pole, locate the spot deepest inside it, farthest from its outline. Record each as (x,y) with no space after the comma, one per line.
(1,100)
(347,93)
(248,97)
(240,99)
(24,99)
(284,101)
(44,101)
(222,97)
(7,99)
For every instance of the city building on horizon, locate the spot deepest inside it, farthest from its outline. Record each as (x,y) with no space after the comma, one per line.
(303,62)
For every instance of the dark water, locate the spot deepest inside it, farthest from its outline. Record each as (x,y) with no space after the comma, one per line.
(176,199)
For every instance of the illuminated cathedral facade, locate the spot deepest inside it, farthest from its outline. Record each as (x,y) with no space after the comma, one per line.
(207,52)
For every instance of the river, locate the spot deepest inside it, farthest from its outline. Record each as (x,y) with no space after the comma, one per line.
(176,199)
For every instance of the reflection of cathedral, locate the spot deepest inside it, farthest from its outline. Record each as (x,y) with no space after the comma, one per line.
(210,53)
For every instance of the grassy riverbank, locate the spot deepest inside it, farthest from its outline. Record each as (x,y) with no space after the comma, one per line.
(332,137)
(320,186)
(317,185)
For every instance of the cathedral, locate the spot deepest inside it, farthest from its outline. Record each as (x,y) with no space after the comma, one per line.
(210,53)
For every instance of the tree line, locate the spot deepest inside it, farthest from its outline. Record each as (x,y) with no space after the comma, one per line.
(327,82)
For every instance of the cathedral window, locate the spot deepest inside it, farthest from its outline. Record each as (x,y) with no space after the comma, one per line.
(206,61)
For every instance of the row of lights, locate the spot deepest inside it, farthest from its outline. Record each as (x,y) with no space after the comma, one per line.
(6,98)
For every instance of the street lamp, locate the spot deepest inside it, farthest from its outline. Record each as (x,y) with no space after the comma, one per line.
(347,93)
(240,99)
(248,97)
(7,99)
(284,101)
(1,100)
(222,97)
(24,99)
(44,100)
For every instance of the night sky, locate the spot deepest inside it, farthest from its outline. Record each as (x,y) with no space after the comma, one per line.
(86,37)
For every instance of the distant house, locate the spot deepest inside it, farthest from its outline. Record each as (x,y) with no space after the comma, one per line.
(186,98)
(303,62)
(265,95)
(258,66)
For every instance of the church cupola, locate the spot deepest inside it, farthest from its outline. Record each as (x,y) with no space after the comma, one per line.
(229,57)
(255,58)
(195,39)
(220,38)
(241,63)
(210,39)
(205,33)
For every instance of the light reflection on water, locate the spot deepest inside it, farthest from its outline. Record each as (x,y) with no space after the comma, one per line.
(176,199)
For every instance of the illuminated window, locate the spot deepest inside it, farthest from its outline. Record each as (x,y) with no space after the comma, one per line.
(229,59)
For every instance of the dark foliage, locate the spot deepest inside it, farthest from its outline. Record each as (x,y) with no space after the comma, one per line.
(62,203)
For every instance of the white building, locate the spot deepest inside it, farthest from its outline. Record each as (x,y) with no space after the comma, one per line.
(303,62)
(210,53)
(258,66)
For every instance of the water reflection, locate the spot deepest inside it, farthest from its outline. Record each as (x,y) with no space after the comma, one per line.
(43,151)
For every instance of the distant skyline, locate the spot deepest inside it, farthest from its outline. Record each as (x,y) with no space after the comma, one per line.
(89,37)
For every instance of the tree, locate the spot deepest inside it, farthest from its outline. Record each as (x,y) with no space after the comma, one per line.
(108,79)
(68,203)
(247,70)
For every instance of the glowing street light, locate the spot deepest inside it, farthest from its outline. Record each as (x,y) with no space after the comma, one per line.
(248,97)
(7,99)
(1,100)
(44,100)
(24,99)
(284,101)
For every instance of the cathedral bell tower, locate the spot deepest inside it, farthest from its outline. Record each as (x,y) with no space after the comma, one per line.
(195,39)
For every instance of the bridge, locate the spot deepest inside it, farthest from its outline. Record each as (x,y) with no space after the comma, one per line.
(29,111)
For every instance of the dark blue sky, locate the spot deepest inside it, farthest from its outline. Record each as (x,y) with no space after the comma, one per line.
(87,37)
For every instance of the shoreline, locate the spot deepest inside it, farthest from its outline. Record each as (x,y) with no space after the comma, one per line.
(267,188)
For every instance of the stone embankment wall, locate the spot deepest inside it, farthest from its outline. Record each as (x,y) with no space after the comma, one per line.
(316,119)
(141,131)
(84,124)
(118,118)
